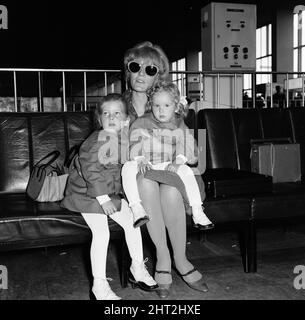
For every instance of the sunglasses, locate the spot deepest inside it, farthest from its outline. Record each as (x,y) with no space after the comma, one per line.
(150,70)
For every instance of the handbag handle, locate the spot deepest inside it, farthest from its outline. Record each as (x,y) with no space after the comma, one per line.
(52,155)
(71,154)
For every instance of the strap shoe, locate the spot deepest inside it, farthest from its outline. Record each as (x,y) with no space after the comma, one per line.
(140,277)
(198,285)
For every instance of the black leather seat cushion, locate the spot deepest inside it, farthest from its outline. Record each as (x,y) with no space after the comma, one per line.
(286,201)
(228,210)
(227,182)
(25,223)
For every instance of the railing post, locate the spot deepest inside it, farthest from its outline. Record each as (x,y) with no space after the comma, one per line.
(40,102)
(271,92)
(182,85)
(254,89)
(106,89)
(235,91)
(303,90)
(85,91)
(218,91)
(64,91)
(287,90)
(15,93)
(201,86)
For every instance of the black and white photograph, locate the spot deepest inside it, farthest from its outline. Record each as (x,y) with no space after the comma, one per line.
(152,153)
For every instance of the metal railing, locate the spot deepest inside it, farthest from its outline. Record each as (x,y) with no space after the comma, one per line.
(212,90)
(63,72)
(283,79)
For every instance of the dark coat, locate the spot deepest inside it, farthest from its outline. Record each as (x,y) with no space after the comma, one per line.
(96,172)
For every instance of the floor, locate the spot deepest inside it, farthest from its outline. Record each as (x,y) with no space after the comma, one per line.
(63,273)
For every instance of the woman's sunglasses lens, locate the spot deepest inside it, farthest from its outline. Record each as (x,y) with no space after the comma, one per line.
(134,67)
(151,70)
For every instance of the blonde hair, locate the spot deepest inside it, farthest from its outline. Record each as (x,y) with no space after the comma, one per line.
(172,89)
(151,52)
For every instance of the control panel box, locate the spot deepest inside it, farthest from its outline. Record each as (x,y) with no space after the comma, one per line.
(228,37)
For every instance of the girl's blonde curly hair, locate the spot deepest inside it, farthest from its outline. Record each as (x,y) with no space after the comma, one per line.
(172,89)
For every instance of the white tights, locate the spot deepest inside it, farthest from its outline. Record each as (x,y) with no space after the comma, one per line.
(129,180)
(98,223)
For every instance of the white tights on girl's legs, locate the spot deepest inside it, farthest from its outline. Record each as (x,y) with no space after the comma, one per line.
(98,223)
(129,181)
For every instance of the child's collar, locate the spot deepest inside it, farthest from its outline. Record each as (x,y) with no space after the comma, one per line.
(110,130)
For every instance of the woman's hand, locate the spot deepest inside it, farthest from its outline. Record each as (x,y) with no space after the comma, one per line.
(172,167)
(109,208)
(143,166)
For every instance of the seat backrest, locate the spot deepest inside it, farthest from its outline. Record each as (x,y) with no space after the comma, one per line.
(230,131)
(276,123)
(221,142)
(247,126)
(298,124)
(26,137)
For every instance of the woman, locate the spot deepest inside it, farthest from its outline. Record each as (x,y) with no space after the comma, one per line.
(144,65)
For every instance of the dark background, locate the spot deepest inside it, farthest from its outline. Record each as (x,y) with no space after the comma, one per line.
(95,34)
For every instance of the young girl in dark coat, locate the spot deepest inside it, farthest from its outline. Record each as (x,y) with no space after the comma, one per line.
(94,188)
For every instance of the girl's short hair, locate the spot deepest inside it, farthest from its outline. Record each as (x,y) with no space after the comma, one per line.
(172,89)
(109,97)
(149,51)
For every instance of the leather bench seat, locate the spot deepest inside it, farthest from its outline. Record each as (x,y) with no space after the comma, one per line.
(227,182)
(228,210)
(28,224)
(24,139)
(286,201)
(229,135)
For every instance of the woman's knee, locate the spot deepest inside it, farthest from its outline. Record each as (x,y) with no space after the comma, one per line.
(172,202)
(147,186)
(171,194)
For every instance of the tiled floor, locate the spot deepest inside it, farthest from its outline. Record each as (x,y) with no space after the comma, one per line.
(63,273)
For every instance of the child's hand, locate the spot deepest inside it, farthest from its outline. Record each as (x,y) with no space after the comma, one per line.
(172,167)
(179,160)
(143,166)
(109,208)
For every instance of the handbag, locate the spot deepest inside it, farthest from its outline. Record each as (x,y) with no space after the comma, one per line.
(39,173)
(53,188)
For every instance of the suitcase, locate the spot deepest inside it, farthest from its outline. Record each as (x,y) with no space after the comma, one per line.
(226,182)
(281,161)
